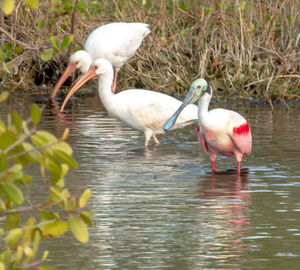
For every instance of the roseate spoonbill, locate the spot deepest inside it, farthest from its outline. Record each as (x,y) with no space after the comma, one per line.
(219,131)
(140,109)
(116,42)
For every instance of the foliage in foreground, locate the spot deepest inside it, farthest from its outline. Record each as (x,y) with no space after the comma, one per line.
(34,208)
(245,48)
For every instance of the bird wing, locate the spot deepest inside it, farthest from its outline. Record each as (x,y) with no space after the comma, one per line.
(116,42)
(152,109)
(234,125)
(242,138)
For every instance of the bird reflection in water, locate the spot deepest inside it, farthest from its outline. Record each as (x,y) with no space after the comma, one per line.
(224,208)
(60,117)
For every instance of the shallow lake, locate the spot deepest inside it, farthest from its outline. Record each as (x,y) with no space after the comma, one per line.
(162,208)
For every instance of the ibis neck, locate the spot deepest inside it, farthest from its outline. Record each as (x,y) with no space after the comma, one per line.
(104,88)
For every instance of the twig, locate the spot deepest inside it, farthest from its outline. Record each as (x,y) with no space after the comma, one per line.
(32,264)
(276,77)
(32,149)
(132,6)
(15,40)
(72,26)
(20,140)
(20,210)
(267,90)
(119,11)
(186,13)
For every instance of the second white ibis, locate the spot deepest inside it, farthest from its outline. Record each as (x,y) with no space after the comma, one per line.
(117,42)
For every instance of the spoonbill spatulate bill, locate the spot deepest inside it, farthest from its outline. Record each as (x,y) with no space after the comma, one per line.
(219,131)
(117,42)
(140,109)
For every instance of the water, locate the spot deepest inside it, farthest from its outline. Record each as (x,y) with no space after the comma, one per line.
(162,208)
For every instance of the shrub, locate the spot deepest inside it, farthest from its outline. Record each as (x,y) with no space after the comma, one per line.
(25,221)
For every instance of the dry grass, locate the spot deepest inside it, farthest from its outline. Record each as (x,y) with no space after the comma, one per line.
(244,48)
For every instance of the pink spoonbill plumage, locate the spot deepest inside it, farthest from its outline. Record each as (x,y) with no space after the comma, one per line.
(219,131)
(140,109)
(117,42)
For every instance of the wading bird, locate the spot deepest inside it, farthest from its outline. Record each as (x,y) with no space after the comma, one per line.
(116,42)
(219,131)
(140,109)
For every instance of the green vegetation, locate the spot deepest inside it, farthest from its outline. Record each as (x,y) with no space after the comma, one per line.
(34,208)
(244,48)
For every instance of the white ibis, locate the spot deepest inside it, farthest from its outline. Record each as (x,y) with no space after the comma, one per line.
(140,109)
(220,131)
(117,42)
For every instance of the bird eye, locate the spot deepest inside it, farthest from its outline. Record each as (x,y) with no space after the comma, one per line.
(199,86)
(96,67)
(76,63)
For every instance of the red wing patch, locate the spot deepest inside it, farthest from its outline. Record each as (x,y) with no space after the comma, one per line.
(242,129)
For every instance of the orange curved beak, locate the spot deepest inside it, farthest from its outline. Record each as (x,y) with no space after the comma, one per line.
(70,68)
(81,81)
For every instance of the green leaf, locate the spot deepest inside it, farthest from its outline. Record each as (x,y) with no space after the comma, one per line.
(12,192)
(28,252)
(58,180)
(17,121)
(13,237)
(15,173)
(55,228)
(8,6)
(19,253)
(4,96)
(55,193)
(47,136)
(53,166)
(85,215)
(32,154)
(52,21)
(32,3)
(19,49)
(6,139)
(63,146)
(35,113)
(79,229)
(5,67)
(86,195)
(36,242)
(45,255)
(38,140)
(43,137)
(46,55)
(54,43)
(66,42)
(65,134)
(28,233)
(3,162)
(2,126)
(13,221)
(65,158)
(8,46)
(2,266)
(48,215)
(5,256)
(2,207)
